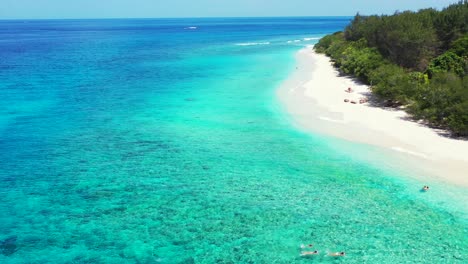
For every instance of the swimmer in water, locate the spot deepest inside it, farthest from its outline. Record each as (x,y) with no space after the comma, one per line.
(308,253)
(304,246)
(425,188)
(337,254)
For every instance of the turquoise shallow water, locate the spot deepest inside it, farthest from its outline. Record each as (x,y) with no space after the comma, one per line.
(141,141)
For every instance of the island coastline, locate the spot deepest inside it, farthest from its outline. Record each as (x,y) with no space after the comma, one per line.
(314,96)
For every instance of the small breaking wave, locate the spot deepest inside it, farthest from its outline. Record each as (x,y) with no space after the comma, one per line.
(294,41)
(307,39)
(252,43)
(191,28)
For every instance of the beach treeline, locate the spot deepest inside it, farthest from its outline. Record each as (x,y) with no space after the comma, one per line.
(414,60)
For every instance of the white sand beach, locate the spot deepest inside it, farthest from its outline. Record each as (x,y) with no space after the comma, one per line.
(315,94)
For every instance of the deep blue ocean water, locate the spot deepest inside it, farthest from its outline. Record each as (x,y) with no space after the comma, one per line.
(151,141)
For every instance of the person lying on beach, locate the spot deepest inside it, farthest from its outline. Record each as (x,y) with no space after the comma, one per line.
(363,100)
(336,254)
(304,246)
(309,253)
(349,90)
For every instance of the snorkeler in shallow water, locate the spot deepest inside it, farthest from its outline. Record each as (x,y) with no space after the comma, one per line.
(309,253)
(304,246)
(337,254)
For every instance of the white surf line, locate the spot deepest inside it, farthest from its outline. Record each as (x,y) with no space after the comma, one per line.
(332,120)
(399,149)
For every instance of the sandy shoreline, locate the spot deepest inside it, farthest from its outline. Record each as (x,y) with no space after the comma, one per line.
(314,96)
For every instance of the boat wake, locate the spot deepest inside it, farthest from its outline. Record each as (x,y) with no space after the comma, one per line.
(252,43)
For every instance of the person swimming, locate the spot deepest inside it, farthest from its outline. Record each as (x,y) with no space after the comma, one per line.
(308,253)
(304,246)
(425,188)
(337,254)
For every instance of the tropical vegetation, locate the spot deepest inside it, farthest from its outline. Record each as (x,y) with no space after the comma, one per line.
(414,60)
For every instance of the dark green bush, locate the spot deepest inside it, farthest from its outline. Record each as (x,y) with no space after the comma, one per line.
(447,62)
